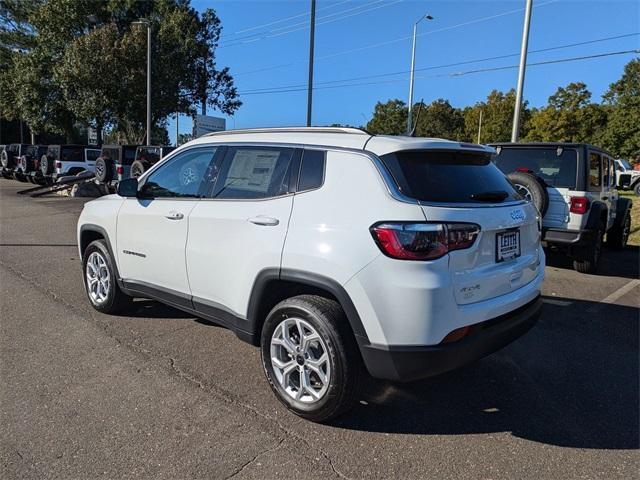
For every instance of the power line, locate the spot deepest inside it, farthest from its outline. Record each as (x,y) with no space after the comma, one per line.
(450,74)
(376,4)
(466,62)
(389,42)
(275,22)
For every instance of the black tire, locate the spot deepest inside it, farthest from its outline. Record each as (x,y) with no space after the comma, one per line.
(328,320)
(532,188)
(103,170)
(115,300)
(138,168)
(46,165)
(587,259)
(636,188)
(19,176)
(618,235)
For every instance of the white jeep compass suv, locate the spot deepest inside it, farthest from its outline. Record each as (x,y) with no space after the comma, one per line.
(337,252)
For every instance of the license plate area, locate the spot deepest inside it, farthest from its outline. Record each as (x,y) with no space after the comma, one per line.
(507,245)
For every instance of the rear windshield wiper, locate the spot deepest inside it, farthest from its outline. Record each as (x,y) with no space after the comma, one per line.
(494,196)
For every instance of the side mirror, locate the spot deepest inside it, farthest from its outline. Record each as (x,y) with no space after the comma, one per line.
(128,188)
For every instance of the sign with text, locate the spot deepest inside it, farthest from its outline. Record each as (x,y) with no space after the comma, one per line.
(205,124)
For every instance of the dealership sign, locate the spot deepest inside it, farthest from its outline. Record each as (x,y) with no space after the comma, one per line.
(204,124)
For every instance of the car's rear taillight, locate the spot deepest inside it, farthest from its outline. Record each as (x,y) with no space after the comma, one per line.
(423,241)
(120,170)
(579,205)
(58,164)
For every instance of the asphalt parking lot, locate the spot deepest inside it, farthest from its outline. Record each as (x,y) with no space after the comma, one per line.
(161,394)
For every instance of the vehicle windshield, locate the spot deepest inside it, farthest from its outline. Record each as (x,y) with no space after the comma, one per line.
(625,164)
(556,166)
(449,177)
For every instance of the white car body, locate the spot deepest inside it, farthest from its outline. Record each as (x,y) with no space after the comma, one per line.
(72,167)
(626,177)
(207,255)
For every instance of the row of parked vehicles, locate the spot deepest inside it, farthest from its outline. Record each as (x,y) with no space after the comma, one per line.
(43,164)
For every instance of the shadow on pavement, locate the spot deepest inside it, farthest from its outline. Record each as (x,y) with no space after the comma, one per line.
(614,263)
(572,381)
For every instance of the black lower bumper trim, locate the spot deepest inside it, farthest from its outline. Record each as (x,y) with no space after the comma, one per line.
(567,237)
(407,363)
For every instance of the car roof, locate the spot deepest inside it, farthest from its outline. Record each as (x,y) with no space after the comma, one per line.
(549,145)
(339,137)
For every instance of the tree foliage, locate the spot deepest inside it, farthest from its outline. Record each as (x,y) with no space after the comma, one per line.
(389,118)
(86,60)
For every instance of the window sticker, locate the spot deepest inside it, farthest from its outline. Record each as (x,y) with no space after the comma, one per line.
(252,170)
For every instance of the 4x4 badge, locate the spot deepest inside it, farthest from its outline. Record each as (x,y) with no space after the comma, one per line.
(517,215)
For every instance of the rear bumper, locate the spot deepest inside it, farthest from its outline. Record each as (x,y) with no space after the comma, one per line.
(406,363)
(552,236)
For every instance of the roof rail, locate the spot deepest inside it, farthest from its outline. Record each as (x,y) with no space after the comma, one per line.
(348,130)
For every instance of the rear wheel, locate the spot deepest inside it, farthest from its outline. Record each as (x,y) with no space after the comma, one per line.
(636,188)
(100,280)
(617,237)
(310,357)
(587,259)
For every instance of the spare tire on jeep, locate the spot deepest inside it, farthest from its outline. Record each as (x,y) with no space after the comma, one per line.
(103,170)
(531,188)
(4,159)
(46,165)
(138,168)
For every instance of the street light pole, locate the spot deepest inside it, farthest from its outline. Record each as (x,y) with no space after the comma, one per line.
(413,63)
(312,31)
(148,24)
(515,131)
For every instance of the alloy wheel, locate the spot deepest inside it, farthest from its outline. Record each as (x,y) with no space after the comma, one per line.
(98,278)
(300,360)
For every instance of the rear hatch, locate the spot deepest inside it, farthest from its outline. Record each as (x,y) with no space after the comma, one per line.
(465,187)
(557,166)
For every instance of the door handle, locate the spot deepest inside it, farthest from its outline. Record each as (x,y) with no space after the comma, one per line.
(174,215)
(264,221)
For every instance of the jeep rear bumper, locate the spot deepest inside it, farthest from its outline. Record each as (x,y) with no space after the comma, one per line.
(407,363)
(552,236)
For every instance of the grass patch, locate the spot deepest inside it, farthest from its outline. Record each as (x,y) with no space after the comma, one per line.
(634,237)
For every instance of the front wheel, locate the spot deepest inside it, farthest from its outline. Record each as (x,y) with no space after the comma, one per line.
(636,188)
(310,357)
(100,280)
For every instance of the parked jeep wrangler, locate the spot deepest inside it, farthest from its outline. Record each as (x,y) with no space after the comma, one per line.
(9,159)
(28,163)
(63,160)
(574,188)
(146,157)
(114,163)
(626,177)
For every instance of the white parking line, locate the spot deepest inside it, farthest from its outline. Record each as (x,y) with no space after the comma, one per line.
(622,291)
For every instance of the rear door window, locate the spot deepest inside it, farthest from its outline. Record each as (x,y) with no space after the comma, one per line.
(595,170)
(92,155)
(449,177)
(254,173)
(312,170)
(556,166)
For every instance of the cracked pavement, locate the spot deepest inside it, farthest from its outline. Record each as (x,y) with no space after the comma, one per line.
(161,394)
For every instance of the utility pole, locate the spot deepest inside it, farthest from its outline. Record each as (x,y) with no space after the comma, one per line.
(515,132)
(312,32)
(480,126)
(413,64)
(177,127)
(148,24)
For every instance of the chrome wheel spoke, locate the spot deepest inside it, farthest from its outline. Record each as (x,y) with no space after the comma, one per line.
(98,278)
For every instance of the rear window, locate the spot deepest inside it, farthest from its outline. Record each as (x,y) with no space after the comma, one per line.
(129,155)
(148,154)
(53,152)
(72,154)
(449,177)
(557,167)
(92,155)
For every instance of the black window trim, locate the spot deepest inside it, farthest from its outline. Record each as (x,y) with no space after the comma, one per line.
(324,170)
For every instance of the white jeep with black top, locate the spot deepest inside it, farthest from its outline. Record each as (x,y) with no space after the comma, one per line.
(626,177)
(573,186)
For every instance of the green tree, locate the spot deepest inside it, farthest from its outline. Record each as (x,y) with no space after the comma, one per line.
(439,120)
(88,59)
(389,118)
(622,133)
(497,117)
(569,117)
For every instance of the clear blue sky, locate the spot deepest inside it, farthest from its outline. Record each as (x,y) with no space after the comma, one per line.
(461,31)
